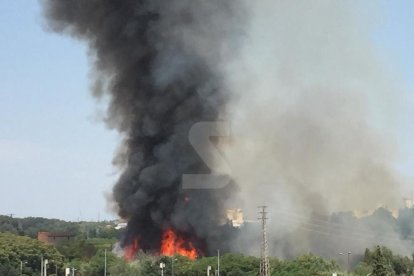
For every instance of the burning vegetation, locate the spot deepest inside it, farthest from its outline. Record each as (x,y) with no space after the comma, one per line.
(173,244)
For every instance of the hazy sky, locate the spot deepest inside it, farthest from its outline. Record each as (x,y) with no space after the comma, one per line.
(55,155)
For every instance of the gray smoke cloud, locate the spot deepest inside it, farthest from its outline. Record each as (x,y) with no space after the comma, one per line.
(312,105)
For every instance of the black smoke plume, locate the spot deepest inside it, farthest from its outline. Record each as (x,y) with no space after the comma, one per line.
(160,62)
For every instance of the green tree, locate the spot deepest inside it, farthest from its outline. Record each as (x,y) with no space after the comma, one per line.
(363,269)
(30,226)
(122,268)
(306,265)
(380,266)
(78,249)
(8,270)
(236,272)
(14,249)
(383,259)
(96,264)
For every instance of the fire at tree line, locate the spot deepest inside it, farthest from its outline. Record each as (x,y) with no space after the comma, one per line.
(90,248)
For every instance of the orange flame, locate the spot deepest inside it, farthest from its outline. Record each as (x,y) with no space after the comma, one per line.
(130,250)
(173,244)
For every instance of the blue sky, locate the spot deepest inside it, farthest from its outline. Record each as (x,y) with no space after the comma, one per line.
(55,155)
(395,42)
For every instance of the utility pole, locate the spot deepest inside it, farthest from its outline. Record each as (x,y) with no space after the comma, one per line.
(218,262)
(172,265)
(21,266)
(45,263)
(162,265)
(41,265)
(264,260)
(105,264)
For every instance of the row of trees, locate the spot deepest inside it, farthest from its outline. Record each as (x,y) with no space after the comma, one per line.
(88,258)
(20,254)
(379,261)
(20,250)
(383,262)
(231,265)
(30,226)
(25,253)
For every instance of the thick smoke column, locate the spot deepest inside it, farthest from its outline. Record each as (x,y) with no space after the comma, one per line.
(159,61)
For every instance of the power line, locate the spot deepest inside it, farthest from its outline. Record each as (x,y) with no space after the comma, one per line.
(350,235)
(335,226)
